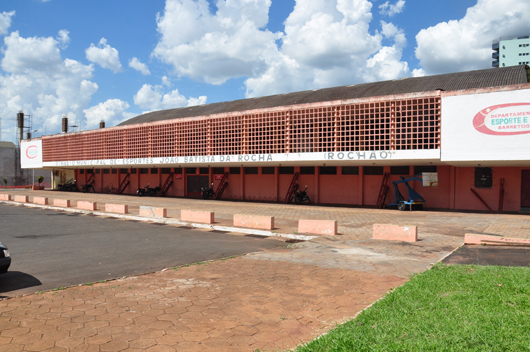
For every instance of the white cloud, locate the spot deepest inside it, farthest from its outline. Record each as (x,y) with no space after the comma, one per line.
(215,48)
(326,43)
(329,44)
(5,21)
(63,38)
(104,55)
(112,112)
(465,44)
(418,72)
(37,80)
(139,66)
(152,98)
(391,9)
(386,64)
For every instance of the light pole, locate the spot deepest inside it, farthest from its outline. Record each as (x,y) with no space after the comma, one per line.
(33,177)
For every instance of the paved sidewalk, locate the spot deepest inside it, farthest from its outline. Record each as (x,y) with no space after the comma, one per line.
(267,301)
(353,223)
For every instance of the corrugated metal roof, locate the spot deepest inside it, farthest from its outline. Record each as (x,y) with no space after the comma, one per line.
(492,77)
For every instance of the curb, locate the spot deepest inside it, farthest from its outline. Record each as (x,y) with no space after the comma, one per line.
(168,221)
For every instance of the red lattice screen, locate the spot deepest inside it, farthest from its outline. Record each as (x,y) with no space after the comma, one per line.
(372,125)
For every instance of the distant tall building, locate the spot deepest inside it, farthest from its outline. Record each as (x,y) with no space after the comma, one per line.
(511,51)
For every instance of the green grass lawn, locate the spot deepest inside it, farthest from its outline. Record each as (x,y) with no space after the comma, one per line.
(447,308)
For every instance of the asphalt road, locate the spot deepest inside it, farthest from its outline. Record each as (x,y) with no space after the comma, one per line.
(52,249)
(490,255)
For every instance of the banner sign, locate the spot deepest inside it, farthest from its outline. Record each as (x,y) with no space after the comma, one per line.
(504,119)
(387,157)
(487,128)
(31,154)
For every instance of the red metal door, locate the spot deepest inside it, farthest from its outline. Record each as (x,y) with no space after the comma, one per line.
(525,188)
(195,183)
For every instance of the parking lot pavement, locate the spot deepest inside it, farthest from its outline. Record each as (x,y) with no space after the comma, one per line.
(267,301)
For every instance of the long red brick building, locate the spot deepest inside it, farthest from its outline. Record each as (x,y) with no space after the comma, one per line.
(468,133)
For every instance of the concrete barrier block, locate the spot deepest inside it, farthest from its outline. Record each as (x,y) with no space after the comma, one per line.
(82,204)
(319,227)
(5,197)
(117,208)
(395,232)
(65,203)
(22,199)
(40,200)
(473,238)
(206,217)
(254,221)
(153,212)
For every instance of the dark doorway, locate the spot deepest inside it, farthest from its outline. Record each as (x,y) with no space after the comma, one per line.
(525,189)
(195,183)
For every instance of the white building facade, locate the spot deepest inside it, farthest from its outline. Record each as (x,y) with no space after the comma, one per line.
(511,51)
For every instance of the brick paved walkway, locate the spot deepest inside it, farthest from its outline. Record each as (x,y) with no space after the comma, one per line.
(267,301)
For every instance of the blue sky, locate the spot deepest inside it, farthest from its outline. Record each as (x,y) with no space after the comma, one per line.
(94,60)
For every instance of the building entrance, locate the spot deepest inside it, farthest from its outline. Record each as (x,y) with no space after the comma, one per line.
(195,183)
(525,189)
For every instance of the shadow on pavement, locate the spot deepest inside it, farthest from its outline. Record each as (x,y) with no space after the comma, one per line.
(490,255)
(16,280)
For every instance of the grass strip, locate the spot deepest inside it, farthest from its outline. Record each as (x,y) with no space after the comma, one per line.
(447,308)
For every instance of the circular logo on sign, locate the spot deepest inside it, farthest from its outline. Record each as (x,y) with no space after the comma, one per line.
(503,119)
(32,151)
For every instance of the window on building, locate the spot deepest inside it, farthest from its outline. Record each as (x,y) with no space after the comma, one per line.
(204,171)
(154,171)
(191,170)
(286,170)
(166,171)
(144,171)
(268,170)
(114,171)
(251,170)
(373,170)
(82,171)
(350,170)
(218,170)
(235,171)
(483,177)
(307,170)
(98,171)
(424,168)
(89,171)
(399,170)
(133,171)
(327,170)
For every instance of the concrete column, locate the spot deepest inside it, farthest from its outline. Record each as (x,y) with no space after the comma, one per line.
(242,172)
(185,179)
(452,187)
(361,185)
(277,182)
(317,184)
